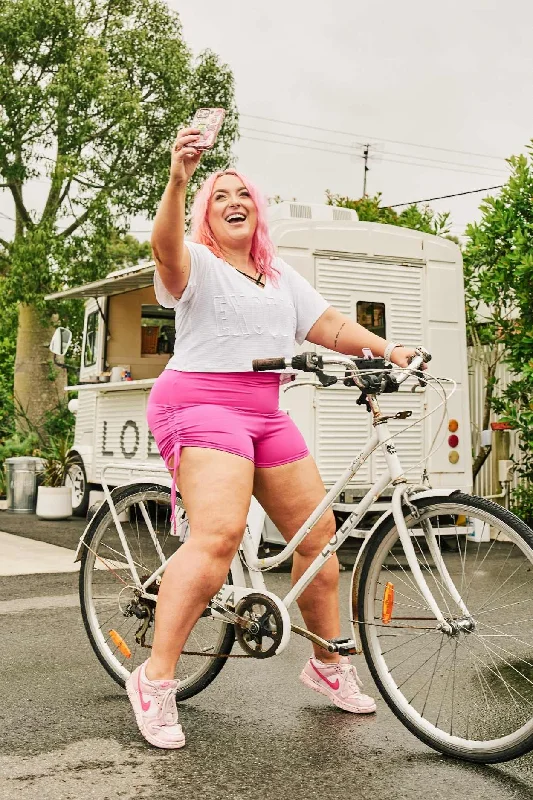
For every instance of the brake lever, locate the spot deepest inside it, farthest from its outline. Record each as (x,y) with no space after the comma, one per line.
(325,380)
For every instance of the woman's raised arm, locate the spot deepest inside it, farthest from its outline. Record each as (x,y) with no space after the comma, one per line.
(171,256)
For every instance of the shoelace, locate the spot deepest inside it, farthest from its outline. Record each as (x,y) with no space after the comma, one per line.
(352,679)
(167,703)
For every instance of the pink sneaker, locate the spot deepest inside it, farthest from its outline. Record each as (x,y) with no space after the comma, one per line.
(340,682)
(154,704)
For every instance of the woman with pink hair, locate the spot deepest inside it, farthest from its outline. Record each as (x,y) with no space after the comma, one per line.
(218,423)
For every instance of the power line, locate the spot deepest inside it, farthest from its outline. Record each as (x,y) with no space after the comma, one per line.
(465,169)
(301,138)
(445,196)
(378,138)
(365,145)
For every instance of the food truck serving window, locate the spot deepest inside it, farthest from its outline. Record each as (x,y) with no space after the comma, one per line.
(89,354)
(158,330)
(372,317)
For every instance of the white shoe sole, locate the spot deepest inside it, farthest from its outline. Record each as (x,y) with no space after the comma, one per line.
(316,687)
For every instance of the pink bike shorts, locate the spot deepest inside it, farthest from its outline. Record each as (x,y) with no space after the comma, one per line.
(237,412)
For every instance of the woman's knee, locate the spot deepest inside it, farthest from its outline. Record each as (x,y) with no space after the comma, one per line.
(318,537)
(221,541)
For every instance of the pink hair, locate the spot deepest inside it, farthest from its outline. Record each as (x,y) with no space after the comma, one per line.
(262,251)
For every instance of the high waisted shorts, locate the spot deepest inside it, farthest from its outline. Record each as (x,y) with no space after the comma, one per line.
(236,412)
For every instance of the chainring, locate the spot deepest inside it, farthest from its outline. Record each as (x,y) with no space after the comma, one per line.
(266,634)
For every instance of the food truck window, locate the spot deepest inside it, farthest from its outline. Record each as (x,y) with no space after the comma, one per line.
(89,354)
(157,330)
(372,317)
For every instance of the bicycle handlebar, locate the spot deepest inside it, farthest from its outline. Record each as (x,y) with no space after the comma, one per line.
(356,367)
(264,364)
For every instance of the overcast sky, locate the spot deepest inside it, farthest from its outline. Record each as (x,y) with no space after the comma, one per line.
(443,88)
(454,75)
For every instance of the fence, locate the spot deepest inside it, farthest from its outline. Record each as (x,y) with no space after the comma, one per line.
(485,484)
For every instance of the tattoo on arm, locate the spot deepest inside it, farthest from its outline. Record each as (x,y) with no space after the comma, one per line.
(337,336)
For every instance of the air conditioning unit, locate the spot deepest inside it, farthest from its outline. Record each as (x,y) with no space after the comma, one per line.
(314,211)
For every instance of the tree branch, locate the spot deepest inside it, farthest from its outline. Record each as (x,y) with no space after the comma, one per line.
(19,204)
(64,193)
(83,217)
(4,243)
(75,225)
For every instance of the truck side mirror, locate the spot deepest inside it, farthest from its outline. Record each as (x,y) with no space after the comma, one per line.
(61,341)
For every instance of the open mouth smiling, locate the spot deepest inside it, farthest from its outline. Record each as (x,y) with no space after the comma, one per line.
(235,217)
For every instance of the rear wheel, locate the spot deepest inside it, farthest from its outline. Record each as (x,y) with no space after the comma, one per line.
(118,620)
(469,692)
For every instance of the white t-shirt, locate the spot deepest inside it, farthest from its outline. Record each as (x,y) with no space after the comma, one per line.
(224,320)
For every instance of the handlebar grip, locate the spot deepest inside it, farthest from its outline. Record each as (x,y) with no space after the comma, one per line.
(264,364)
(414,365)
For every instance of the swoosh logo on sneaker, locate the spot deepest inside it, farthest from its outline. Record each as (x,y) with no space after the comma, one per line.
(332,684)
(144,705)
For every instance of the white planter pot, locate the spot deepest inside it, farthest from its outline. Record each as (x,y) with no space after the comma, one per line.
(54,502)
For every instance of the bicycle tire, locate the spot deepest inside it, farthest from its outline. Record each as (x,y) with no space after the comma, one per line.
(124,499)
(513,546)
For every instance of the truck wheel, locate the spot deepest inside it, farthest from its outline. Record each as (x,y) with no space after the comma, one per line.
(77,480)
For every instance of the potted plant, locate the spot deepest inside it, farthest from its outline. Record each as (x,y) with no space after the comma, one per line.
(54,499)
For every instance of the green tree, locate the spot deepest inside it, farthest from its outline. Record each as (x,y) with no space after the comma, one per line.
(418,218)
(499,283)
(92,93)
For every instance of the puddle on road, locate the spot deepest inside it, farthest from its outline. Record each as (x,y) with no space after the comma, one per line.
(93,769)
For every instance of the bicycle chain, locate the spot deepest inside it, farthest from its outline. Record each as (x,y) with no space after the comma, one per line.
(215,655)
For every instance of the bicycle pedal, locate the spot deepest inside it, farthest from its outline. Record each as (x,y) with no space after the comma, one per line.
(344,646)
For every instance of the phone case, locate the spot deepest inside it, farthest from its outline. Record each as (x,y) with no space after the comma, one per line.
(209,122)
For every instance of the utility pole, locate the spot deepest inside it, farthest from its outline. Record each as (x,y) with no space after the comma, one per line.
(365,156)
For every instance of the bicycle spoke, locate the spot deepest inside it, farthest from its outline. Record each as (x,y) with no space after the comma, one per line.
(475,681)
(112,603)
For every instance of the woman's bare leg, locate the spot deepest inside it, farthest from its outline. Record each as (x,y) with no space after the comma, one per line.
(289,493)
(216,488)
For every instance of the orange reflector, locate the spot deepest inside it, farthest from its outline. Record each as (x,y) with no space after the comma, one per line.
(120,643)
(453,425)
(388,602)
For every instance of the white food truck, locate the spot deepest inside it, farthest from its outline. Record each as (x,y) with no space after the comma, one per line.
(404,285)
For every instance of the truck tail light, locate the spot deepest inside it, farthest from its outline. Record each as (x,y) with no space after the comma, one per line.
(453,441)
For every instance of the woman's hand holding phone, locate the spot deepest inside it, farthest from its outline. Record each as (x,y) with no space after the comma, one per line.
(184,157)
(191,142)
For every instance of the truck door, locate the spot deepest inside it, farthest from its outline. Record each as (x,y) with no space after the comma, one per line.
(93,343)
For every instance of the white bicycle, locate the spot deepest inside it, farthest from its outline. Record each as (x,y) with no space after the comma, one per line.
(441,615)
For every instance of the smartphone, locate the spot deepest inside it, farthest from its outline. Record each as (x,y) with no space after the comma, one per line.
(209,122)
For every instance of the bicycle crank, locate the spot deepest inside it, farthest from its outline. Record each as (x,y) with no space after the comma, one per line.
(264,632)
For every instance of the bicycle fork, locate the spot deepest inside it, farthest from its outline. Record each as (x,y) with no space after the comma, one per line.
(434,549)
(400,491)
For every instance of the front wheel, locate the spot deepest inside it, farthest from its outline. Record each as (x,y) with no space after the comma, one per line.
(119,621)
(76,478)
(467,692)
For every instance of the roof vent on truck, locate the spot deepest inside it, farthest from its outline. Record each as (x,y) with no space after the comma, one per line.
(314,211)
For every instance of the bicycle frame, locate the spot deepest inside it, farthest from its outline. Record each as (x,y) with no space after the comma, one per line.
(255,566)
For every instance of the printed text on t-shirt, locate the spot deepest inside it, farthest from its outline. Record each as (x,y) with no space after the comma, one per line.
(239,315)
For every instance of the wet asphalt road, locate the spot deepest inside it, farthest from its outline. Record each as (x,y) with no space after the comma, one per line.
(256,732)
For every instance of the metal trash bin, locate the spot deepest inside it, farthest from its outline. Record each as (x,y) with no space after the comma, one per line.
(21,480)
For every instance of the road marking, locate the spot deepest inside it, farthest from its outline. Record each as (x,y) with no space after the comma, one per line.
(21,556)
(39,603)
